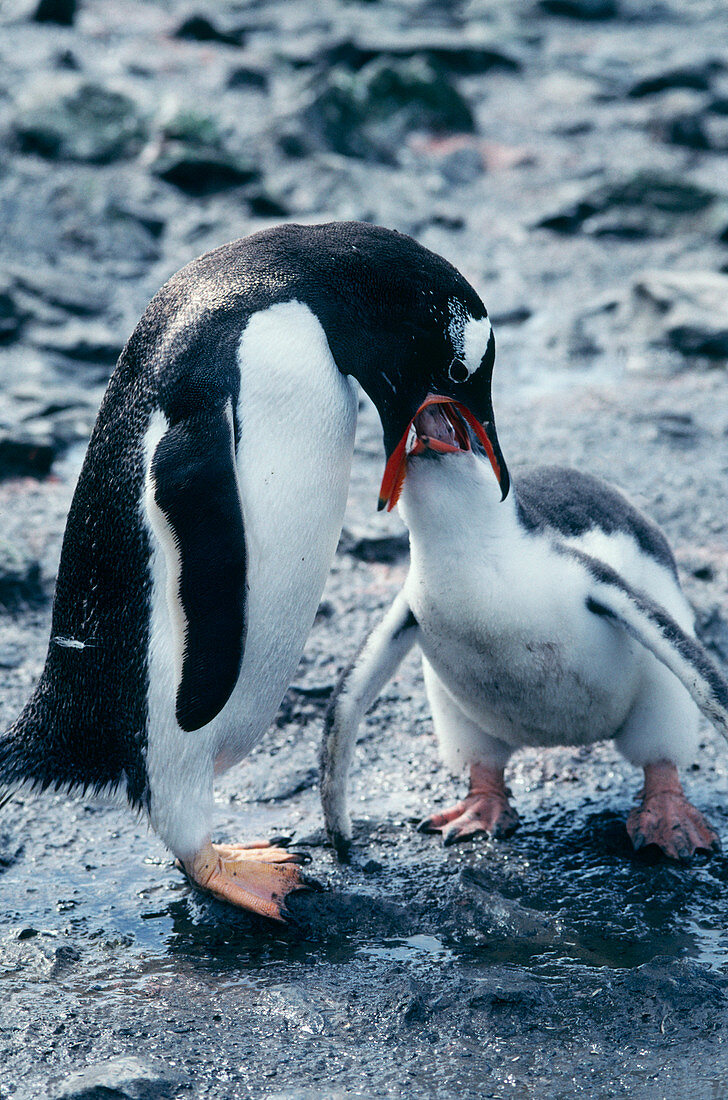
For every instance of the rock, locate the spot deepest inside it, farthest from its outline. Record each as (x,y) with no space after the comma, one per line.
(472,54)
(26,454)
(80,122)
(67,60)
(712,629)
(265,205)
(679,987)
(192,156)
(20,579)
(245,77)
(127,1078)
(697,77)
(12,315)
(197,28)
(62,12)
(647,204)
(86,342)
(369,113)
(386,549)
(684,310)
(581,9)
(79,294)
(688,131)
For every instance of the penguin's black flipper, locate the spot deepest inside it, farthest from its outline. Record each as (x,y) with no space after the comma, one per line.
(194,486)
(655,629)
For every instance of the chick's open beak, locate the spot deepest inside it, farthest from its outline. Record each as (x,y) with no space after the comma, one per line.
(438,425)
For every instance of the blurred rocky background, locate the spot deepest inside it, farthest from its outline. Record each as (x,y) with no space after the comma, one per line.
(569,156)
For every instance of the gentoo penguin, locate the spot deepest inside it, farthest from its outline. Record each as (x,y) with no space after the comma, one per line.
(208,510)
(554,617)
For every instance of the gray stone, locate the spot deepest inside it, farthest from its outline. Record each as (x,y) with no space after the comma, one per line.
(697,77)
(193,156)
(475,54)
(243,76)
(12,314)
(683,310)
(79,121)
(646,204)
(127,1078)
(198,28)
(386,549)
(24,453)
(20,579)
(369,113)
(581,9)
(87,342)
(62,12)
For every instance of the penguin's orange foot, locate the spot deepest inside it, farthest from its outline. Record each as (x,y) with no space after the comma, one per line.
(667,820)
(255,877)
(672,824)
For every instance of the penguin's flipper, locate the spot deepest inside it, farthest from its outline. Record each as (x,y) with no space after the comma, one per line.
(357,689)
(654,628)
(194,506)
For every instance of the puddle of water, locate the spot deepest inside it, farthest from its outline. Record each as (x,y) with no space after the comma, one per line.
(413,950)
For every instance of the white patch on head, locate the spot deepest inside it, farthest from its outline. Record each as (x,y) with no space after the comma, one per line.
(470,337)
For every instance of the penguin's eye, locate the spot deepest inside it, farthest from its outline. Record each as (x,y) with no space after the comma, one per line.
(457,371)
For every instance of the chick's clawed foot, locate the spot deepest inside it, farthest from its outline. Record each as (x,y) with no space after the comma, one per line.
(485,809)
(667,820)
(255,877)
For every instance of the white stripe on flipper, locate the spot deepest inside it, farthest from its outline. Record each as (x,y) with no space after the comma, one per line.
(655,629)
(382,652)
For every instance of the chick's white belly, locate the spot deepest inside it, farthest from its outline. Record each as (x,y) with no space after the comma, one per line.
(570,685)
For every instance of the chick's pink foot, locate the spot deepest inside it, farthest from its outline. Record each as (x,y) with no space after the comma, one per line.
(485,809)
(667,820)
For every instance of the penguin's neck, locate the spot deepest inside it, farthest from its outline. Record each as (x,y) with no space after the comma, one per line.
(452,507)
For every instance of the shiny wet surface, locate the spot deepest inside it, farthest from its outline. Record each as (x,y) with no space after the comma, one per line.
(555,963)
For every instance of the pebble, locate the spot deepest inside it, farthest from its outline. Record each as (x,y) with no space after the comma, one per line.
(20,584)
(645,204)
(62,12)
(79,121)
(684,310)
(370,113)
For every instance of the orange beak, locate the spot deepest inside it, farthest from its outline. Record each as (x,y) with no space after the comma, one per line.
(414,443)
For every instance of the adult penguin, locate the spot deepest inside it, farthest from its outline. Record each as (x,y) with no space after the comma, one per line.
(208,510)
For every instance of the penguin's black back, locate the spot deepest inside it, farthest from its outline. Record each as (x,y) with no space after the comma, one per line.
(571,503)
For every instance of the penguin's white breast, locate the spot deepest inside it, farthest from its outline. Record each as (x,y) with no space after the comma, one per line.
(297,419)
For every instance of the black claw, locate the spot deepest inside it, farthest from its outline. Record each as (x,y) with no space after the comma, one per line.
(426,826)
(309,883)
(342,847)
(301,857)
(638,841)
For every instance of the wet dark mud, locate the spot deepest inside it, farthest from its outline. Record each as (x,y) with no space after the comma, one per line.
(571,161)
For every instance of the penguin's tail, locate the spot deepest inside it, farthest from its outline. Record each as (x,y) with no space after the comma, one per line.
(656,630)
(357,689)
(17,771)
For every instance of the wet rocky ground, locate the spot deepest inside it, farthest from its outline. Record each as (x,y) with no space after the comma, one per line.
(569,157)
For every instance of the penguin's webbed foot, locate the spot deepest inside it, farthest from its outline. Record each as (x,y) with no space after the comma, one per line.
(667,820)
(485,809)
(256,877)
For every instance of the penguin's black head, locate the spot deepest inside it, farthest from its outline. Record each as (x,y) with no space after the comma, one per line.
(446,391)
(407,325)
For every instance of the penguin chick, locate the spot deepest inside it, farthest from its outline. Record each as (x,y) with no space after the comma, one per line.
(208,510)
(553,618)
